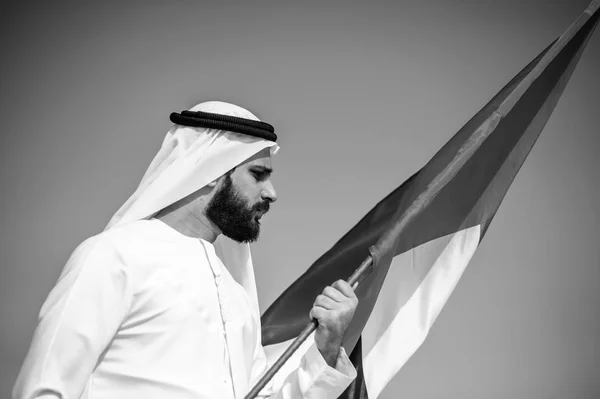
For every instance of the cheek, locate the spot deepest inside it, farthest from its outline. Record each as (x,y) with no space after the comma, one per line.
(249,190)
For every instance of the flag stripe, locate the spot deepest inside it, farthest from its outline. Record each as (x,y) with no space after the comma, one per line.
(398,324)
(358,388)
(491,198)
(581,27)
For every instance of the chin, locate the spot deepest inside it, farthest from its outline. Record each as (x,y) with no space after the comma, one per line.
(247,239)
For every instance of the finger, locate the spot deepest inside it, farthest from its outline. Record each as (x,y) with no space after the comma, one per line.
(325,302)
(344,288)
(354,286)
(334,294)
(317,312)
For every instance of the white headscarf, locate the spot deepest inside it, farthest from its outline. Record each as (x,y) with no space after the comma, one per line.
(188,160)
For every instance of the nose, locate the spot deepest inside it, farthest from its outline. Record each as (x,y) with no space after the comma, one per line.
(268,192)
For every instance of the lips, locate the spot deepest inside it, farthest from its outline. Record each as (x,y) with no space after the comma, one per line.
(261,209)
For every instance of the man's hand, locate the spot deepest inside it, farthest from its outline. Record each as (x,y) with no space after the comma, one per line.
(333,309)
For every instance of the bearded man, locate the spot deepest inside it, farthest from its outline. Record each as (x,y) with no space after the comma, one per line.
(163,303)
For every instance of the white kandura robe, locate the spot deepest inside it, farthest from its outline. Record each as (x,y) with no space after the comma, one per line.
(142,311)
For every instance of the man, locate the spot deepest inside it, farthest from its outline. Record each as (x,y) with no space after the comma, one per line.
(163,303)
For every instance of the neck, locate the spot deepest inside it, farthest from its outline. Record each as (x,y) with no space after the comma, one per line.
(188,223)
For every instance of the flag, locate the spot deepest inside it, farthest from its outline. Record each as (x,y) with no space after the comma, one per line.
(423,235)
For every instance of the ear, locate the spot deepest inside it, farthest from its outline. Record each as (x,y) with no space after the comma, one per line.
(215,182)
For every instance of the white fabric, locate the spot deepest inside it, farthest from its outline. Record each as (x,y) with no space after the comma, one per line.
(417,287)
(142,311)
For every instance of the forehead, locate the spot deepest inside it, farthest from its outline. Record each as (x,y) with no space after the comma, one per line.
(261,158)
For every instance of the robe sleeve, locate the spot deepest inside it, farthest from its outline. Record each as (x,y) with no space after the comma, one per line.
(78,320)
(313,378)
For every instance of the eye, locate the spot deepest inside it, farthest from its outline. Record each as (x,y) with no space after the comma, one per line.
(259,176)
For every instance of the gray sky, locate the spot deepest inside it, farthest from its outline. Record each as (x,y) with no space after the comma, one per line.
(361,97)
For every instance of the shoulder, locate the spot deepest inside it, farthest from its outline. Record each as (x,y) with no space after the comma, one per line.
(121,245)
(142,244)
(130,238)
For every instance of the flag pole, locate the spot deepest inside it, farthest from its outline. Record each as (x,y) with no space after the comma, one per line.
(359,274)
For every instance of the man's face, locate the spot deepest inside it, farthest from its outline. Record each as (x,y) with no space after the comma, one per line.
(243,196)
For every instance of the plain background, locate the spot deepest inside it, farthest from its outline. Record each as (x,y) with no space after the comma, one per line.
(361,97)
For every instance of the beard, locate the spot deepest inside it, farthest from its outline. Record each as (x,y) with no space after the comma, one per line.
(232,214)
